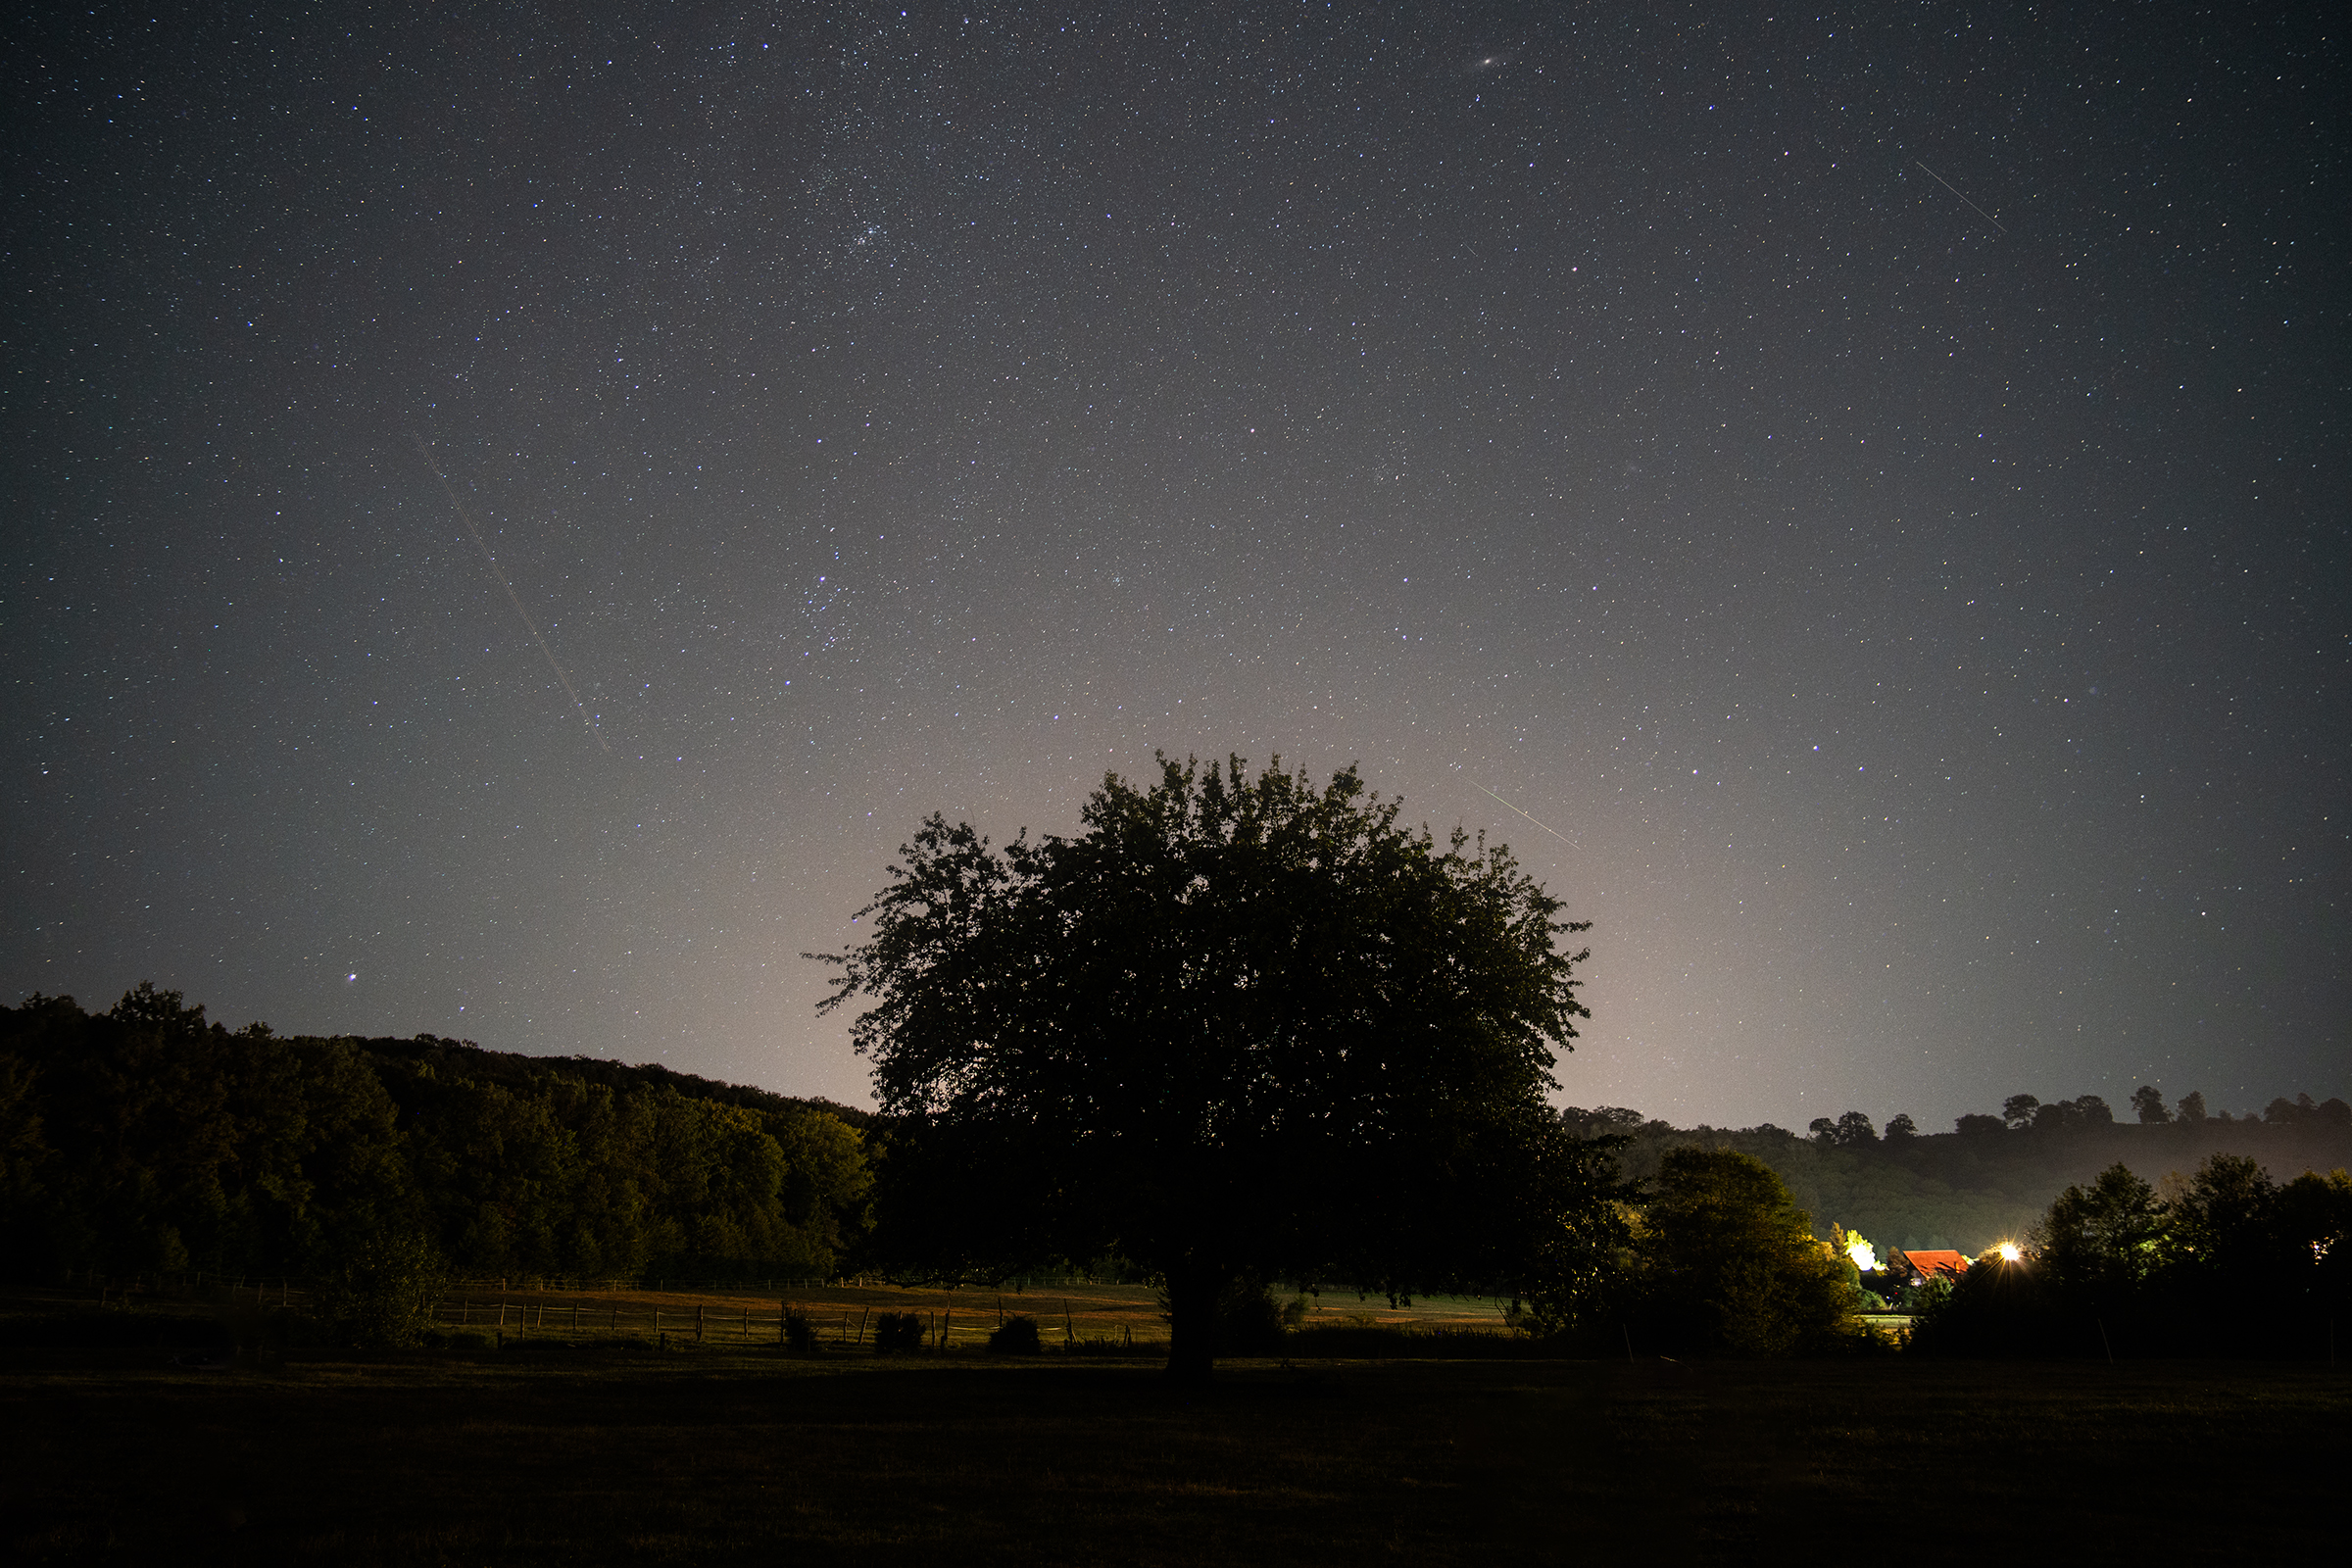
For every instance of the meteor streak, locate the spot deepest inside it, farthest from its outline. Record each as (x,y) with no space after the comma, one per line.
(1562,836)
(450,491)
(1971,206)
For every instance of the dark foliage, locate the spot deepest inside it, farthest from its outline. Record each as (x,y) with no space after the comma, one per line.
(148,1139)
(1016,1336)
(897,1333)
(1724,1263)
(2228,1263)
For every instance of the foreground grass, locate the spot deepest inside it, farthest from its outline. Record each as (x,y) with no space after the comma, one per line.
(613,1452)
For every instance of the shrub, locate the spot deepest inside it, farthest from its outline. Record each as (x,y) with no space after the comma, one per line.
(1019,1337)
(897,1332)
(1251,1322)
(380,1291)
(799,1333)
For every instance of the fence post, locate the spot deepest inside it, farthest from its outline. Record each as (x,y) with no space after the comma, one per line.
(698,1322)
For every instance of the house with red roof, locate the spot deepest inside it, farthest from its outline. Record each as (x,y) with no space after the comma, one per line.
(1929,1263)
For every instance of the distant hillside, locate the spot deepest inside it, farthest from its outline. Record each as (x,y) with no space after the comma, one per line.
(145,1138)
(512,1070)
(1970,1191)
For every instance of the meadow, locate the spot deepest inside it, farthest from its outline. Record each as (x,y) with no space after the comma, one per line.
(132,1434)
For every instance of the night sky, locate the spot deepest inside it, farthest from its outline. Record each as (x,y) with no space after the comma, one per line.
(1869,486)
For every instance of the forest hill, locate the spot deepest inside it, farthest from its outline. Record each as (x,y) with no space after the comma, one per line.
(146,1139)
(1995,1177)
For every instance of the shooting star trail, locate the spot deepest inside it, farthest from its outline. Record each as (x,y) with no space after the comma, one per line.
(1562,836)
(513,598)
(1971,206)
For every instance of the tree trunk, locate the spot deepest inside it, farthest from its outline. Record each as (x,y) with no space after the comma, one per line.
(1192,1291)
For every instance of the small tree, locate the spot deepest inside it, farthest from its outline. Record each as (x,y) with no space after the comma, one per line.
(1236,1029)
(2148,1103)
(1900,1128)
(2193,1106)
(1726,1261)
(2101,1240)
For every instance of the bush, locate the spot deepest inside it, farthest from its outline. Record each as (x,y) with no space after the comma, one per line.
(1252,1322)
(799,1333)
(380,1291)
(897,1332)
(1725,1264)
(1019,1337)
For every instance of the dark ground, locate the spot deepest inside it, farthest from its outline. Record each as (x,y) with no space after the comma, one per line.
(565,1454)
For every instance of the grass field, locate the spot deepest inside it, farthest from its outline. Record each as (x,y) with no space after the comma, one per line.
(594,1450)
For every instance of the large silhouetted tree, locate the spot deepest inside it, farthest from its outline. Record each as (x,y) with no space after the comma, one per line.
(1236,1029)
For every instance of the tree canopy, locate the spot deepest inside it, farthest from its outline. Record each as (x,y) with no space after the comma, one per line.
(1236,1029)
(1727,1262)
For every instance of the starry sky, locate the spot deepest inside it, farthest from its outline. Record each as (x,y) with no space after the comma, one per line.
(514,513)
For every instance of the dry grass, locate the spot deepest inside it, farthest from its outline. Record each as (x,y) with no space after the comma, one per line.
(613,1452)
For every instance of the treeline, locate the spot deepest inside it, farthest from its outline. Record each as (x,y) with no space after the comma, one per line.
(2222,1261)
(1993,1177)
(147,1139)
(1710,1253)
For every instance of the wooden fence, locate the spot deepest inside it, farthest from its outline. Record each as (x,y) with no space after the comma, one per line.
(707,1324)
